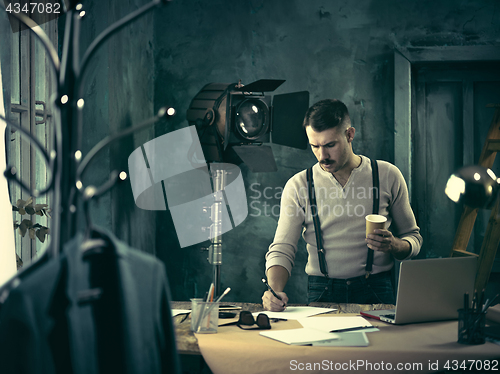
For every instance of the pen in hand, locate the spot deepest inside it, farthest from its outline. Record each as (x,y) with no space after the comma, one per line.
(272,291)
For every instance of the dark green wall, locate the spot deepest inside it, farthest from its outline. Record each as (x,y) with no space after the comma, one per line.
(333,49)
(119,92)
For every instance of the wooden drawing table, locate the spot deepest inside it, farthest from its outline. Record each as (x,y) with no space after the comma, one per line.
(413,348)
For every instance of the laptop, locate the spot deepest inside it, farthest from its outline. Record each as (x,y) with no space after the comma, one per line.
(430,290)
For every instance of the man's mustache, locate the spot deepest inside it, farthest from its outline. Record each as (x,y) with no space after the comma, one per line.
(326,162)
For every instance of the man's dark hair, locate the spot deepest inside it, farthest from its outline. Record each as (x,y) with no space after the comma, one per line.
(327,114)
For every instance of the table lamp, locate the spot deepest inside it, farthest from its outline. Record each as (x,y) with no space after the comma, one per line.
(475,186)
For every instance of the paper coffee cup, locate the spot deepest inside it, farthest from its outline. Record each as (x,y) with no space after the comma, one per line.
(373,222)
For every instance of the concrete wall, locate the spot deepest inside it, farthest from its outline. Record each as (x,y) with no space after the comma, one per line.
(333,49)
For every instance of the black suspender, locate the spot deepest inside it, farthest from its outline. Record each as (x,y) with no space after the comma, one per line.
(317,229)
(376,198)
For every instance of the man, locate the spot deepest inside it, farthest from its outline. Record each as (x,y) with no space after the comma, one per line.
(344,192)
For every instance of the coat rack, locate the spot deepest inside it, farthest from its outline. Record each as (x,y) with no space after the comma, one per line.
(89,265)
(65,160)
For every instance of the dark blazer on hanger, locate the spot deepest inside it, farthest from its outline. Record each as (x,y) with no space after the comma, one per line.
(57,321)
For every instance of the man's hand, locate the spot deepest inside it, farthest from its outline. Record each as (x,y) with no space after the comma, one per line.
(384,241)
(272,303)
(277,276)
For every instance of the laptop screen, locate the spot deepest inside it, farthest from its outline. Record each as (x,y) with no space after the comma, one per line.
(433,289)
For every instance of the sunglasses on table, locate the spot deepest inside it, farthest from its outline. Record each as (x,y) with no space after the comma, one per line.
(246,320)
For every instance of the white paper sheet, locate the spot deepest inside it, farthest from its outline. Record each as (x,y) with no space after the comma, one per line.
(299,336)
(296,312)
(336,323)
(346,339)
(176,312)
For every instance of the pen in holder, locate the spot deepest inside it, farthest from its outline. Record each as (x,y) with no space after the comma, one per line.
(471,325)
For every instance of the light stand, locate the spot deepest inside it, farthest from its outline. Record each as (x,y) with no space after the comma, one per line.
(215,250)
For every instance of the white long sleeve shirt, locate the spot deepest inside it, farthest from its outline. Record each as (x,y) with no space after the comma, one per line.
(342,211)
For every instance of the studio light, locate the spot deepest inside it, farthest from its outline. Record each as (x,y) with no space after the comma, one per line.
(234,121)
(474,186)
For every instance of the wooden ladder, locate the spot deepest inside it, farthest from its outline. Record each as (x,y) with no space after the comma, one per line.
(491,239)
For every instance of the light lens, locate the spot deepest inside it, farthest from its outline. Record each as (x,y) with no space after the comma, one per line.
(252,119)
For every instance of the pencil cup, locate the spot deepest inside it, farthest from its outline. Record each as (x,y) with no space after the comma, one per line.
(194,306)
(471,326)
(204,316)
